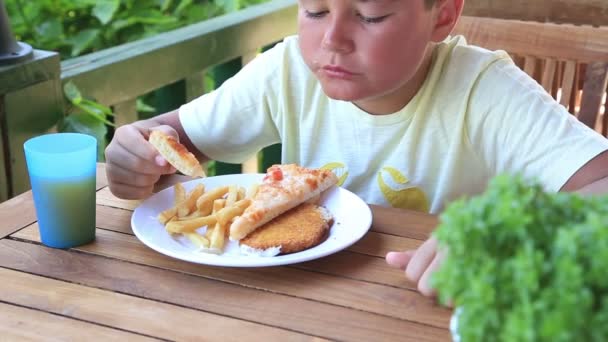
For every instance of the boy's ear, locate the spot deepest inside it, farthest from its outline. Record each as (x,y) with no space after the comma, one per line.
(446,15)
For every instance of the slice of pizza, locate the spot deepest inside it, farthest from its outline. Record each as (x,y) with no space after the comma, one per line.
(284,187)
(176,154)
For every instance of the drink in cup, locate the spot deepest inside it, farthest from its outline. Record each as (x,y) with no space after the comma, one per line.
(62,169)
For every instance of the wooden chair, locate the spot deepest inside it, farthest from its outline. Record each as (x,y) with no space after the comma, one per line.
(570,62)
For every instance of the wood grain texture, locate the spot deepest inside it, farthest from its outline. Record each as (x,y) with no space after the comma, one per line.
(180,52)
(350,293)
(128,313)
(567,85)
(100,177)
(23,324)
(242,302)
(348,264)
(594,90)
(562,42)
(105,197)
(581,12)
(17,213)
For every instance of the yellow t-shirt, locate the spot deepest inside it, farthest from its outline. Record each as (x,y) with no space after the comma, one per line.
(475,116)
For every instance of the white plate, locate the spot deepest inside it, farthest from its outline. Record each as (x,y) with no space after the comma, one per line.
(352,219)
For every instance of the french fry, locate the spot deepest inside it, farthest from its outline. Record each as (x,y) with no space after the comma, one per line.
(179,194)
(253,189)
(242,193)
(188,205)
(198,240)
(167,215)
(218,204)
(214,209)
(217,240)
(232,195)
(187,226)
(204,204)
(229,212)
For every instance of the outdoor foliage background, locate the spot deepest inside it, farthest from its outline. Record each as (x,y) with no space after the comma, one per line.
(77,27)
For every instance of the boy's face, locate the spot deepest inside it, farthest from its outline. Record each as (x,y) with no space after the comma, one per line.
(365,50)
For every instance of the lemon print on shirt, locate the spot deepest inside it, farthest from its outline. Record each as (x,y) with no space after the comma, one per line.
(338,169)
(408,198)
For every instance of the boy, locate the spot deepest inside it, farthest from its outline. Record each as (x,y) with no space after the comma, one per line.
(378,88)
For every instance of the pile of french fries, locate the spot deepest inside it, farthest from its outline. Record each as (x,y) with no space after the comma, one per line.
(214,209)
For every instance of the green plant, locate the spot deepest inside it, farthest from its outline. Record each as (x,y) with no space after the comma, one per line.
(86,116)
(526,265)
(75,27)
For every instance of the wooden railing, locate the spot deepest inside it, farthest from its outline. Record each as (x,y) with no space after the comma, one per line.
(116,77)
(31,99)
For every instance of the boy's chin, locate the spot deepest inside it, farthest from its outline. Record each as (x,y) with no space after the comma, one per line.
(342,94)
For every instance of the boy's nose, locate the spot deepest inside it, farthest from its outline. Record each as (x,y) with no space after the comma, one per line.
(337,39)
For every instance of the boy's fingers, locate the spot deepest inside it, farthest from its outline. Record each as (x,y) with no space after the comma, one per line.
(130,139)
(169,170)
(168,130)
(130,192)
(421,260)
(424,285)
(119,175)
(399,259)
(117,154)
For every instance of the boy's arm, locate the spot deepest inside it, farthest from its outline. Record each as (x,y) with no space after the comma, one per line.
(592,178)
(419,265)
(133,165)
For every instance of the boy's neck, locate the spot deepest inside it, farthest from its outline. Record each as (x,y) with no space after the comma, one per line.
(396,100)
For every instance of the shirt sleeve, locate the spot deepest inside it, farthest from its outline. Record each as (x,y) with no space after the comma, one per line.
(235,121)
(517,127)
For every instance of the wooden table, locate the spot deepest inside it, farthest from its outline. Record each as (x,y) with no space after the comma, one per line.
(118,288)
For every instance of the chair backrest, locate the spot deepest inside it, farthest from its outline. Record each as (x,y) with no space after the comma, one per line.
(570,62)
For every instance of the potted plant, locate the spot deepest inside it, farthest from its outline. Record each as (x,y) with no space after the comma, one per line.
(523,264)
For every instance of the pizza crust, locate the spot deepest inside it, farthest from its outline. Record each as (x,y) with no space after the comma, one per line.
(176,154)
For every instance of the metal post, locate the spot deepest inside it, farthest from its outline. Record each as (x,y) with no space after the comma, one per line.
(11,51)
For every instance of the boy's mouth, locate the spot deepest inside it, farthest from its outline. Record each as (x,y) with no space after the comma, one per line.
(337,72)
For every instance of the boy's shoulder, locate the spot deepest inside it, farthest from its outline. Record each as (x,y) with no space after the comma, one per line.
(456,53)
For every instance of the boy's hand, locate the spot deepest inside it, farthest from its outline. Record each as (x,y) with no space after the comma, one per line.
(133,165)
(419,264)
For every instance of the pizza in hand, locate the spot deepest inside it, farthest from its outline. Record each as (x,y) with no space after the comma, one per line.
(176,154)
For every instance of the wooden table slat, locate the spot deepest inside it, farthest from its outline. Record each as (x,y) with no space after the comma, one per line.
(130,313)
(293,282)
(116,288)
(232,300)
(23,324)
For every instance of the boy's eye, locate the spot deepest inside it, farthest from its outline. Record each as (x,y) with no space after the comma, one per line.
(315,15)
(372,20)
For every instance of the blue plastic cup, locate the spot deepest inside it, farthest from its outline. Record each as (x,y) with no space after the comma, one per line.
(62,169)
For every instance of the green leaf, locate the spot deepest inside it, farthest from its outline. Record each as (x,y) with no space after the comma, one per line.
(142,107)
(96,110)
(526,265)
(166,5)
(98,107)
(85,123)
(227,5)
(83,40)
(50,31)
(104,10)
(72,93)
(183,5)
